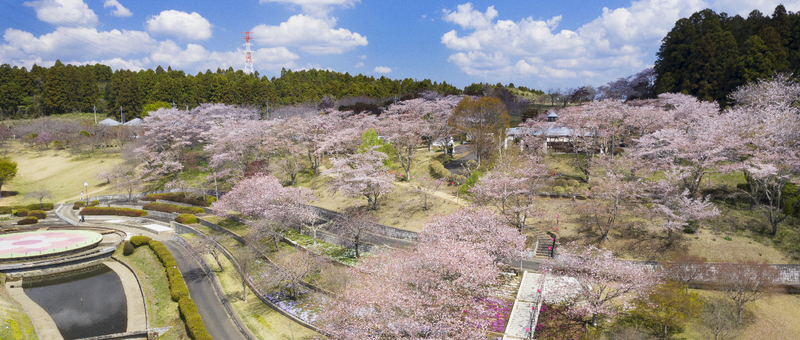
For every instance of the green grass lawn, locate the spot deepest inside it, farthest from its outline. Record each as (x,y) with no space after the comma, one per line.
(57,171)
(14,321)
(162,311)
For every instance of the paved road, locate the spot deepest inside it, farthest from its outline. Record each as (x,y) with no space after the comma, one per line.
(212,311)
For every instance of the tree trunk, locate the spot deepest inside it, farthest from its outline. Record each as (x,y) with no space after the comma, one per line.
(244,288)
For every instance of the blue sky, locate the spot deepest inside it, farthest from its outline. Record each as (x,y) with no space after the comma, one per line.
(539,44)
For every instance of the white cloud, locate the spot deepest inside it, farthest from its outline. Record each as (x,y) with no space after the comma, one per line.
(73,13)
(197,57)
(612,45)
(359,65)
(119,10)
(466,17)
(310,34)
(74,43)
(319,8)
(362,57)
(187,26)
(382,69)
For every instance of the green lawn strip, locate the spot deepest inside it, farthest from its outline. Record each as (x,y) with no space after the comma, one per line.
(14,321)
(262,320)
(162,311)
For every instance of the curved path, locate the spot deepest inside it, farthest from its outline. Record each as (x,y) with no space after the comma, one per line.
(216,319)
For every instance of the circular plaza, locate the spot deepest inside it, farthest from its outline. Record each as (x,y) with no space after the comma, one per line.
(40,243)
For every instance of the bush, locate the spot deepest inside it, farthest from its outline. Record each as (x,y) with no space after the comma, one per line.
(194,323)
(573,183)
(43,206)
(78,204)
(180,197)
(113,211)
(560,182)
(6,209)
(186,219)
(38,214)
(58,145)
(171,208)
(28,220)
(457,179)
(691,227)
(140,240)
(558,190)
(470,182)
(128,248)
(21,212)
(94,203)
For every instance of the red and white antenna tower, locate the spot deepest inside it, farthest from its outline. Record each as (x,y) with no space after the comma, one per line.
(248,60)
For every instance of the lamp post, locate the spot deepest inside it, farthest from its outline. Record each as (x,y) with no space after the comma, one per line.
(86,184)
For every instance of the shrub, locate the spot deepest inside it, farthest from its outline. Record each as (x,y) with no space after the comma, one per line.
(113,211)
(6,209)
(171,208)
(569,190)
(211,199)
(38,214)
(139,240)
(94,203)
(457,179)
(21,212)
(78,204)
(558,190)
(194,323)
(470,182)
(691,227)
(180,197)
(43,206)
(58,145)
(28,220)
(128,248)
(186,219)
(573,183)
(560,182)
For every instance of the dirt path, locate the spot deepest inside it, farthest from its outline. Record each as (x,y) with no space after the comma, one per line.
(440,194)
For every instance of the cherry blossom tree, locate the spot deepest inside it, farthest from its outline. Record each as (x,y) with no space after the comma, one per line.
(126,179)
(354,225)
(676,207)
(264,198)
(235,146)
(615,192)
(440,290)
(404,132)
(435,111)
(766,120)
(512,186)
(361,174)
(603,284)
(290,269)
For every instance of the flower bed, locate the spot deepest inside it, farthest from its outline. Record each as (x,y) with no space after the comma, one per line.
(171,208)
(113,211)
(554,323)
(500,310)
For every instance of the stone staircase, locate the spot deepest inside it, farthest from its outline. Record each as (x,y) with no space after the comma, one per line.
(544,241)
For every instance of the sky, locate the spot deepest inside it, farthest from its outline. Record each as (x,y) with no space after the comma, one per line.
(532,43)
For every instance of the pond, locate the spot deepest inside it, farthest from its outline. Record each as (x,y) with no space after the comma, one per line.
(82,304)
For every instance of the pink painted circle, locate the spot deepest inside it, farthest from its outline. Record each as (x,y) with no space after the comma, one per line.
(43,242)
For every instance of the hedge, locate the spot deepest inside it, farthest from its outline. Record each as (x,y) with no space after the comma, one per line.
(194,323)
(113,211)
(139,240)
(37,206)
(6,209)
(21,212)
(28,220)
(172,208)
(38,214)
(438,170)
(186,219)
(78,204)
(94,203)
(180,198)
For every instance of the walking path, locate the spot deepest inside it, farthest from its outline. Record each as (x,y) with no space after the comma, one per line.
(217,321)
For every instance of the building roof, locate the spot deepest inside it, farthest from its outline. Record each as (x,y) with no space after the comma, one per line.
(109,122)
(134,122)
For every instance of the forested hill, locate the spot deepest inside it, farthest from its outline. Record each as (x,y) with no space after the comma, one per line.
(68,88)
(708,54)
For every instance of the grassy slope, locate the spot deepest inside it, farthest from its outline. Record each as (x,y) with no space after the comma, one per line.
(14,321)
(775,318)
(162,311)
(57,171)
